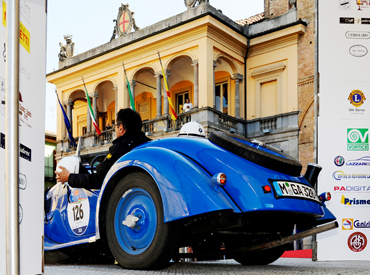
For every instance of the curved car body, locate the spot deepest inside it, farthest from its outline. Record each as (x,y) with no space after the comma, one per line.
(255,206)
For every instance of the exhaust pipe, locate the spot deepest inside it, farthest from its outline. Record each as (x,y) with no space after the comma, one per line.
(291,238)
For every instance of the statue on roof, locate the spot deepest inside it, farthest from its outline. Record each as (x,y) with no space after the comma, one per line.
(191,3)
(124,23)
(67,50)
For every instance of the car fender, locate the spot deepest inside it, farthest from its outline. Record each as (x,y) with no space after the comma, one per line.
(186,188)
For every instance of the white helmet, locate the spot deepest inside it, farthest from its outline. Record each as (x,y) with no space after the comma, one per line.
(192,129)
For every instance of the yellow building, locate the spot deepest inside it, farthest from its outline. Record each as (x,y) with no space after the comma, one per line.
(239,76)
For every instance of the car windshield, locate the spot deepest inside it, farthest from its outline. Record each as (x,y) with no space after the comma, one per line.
(260,147)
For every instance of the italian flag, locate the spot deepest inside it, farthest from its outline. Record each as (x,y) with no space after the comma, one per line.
(132,101)
(91,111)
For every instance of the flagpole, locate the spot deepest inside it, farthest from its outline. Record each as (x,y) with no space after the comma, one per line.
(66,122)
(173,113)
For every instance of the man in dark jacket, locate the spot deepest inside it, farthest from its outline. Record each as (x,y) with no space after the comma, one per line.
(128,136)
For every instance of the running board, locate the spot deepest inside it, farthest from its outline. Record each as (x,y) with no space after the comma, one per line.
(291,238)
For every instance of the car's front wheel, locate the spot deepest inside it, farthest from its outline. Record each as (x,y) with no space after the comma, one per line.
(137,235)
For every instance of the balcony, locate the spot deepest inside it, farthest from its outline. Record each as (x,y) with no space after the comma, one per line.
(279,130)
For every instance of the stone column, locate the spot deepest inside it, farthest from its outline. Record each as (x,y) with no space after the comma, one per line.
(95,107)
(196,80)
(237,78)
(165,99)
(214,84)
(159,96)
(132,86)
(115,89)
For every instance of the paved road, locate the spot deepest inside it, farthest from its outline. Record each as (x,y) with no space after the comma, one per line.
(230,267)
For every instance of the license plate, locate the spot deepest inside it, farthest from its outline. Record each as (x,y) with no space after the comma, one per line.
(295,190)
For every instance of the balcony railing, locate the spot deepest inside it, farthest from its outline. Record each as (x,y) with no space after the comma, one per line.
(210,118)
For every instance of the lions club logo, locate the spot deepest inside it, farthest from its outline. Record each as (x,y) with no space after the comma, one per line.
(356,98)
(357,242)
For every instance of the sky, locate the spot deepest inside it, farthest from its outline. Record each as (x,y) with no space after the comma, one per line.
(90,22)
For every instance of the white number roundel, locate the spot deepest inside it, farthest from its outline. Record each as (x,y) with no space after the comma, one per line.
(78,211)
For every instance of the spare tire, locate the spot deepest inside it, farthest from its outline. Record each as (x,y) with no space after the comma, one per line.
(266,156)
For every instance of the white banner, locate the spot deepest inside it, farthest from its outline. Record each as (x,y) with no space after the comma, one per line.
(344,123)
(31,134)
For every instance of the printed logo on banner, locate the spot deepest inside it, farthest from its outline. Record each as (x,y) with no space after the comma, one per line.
(25,10)
(2,140)
(344,4)
(24,113)
(362,4)
(361,224)
(22,181)
(349,189)
(363,161)
(356,98)
(346,20)
(354,201)
(24,34)
(339,161)
(357,35)
(2,96)
(357,242)
(4,14)
(339,175)
(347,224)
(358,139)
(25,152)
(20,213)
(358,50)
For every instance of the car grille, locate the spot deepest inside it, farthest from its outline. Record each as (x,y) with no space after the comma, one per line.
(48,205)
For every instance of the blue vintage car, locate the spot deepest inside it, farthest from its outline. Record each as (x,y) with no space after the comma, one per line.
(188,191)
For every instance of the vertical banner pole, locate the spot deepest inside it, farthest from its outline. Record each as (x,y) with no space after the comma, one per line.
(316,113)
(12,138)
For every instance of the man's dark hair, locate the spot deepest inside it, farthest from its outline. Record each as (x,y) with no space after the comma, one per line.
(130,120)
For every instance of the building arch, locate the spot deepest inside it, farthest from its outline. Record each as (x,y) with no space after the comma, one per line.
(110,79)
(73,95)
(219,57)
(174,58)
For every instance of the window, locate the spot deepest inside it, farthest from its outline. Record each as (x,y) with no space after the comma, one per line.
(180,100)
(84,130)
(222,97)
(268,94)
(269,98)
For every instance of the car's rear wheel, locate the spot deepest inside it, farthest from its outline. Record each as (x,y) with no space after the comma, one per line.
(137,235)
(262,257)
(266,156)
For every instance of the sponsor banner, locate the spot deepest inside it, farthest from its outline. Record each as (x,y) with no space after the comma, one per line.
(357,242)
(364,161)
(343,126)
(340,175)
(351,189)
(351,224)
(32,37)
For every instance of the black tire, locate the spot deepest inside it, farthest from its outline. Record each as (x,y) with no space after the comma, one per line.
(276,161)
(262,257)
(157,252)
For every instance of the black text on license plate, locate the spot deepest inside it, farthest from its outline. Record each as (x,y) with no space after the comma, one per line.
(294,189)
